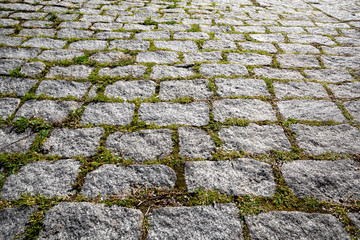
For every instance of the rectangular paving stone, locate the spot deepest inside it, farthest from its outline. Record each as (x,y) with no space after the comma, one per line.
(96,18)
(353,107)
(17,86)
(295,225)
(128,90)
(249,59)
(180,46)
(190,35)
(97,221)
(316,110)
(248,29)
(325,180)
(108,113)
(328,75)
(340,62)
(45,178)
(59,55)
(242,176)
(299,89)
(229,36)
(73,71)
(14,221)
(37,32)
(75,24)
(310,39)
(345,51)
(44,43)
(129,44)
(164,113)
(269,37)
(13,142)
(293,61)
(219,45)
(241,87)
(68,143)
(212,70)
(251,109)
(153,35)
(346,90)
(8,106)
(294,30)
(278,73)
(157,57)
(130,26)
(108,180)
(197,89)
(8,65)
(255,138)
(322,139)
(298,48)
(74,33)
(12,41)
(213,56)
(88,45)
(200,222)
(33,69)
(111,35)
(195,143)
(63,88)
(252,46)
(129,70)
(19,53)
(160,71)
(106,26)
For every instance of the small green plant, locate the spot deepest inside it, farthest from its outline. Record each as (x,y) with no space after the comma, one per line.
(171,22)
(148,21)
(194,28)
(171,6)
(53,17)
(36,124)
(16,72)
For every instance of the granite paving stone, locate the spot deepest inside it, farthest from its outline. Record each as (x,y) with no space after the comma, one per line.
(180,46)
(346,90)
(109,180)
(17,86)
(19,53)
(241,176)
(109,57)
(63,88)
(191,35)
(128,90)
(298,48)
(160,71)
(310,39)
(68,142)
(108,113)
(163,113)
(129,44)
(196,89)
(219,45)
(73,71)
(255,138)
(59,55)
(200,222)
(213,56)
(153,35)
(45,178)
(8,65)
(328,75)
(251,109)
(341,62)
(295,225)
(33,69)
(129,70)
(353,107)
(39,42)
(253,46)
(321,139)
(241,87)
(14,142)
(195,143)
(211,70)
(249,59)
(74,33)
(355,218)
(278,73)
(157,57)
(8,106)
(97,221)
(299,89)
(293,61)
(325,180)
(88,45)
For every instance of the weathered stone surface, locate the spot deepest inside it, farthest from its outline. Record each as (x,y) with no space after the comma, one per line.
(12,41)
(111,35)
(51,111)
(141,146)
(212,70)
(129,44)
(251,109)
(252,46)
(197,89)
(346,90)
(250,59)
(73,71)
(33,69)
(44,178)
(73,142)
(219,45)
(8,65)
(108,113)
(299,89)
(153,35)
(298,48)
(88,45)
(341,62)
(278,73)
(295,225)
(353,107)
(130,70)
(320,110)
(8,106)
(97,222)
(13,142)
(243,176)
(59,55)
(180,46)
(191,35)
(200,222)
(74,33)
(109,57)
(255,138)
(328,75)
(213,56)
(13,221)
(157,57)
(355,218)
(291,60)
(44,43)
(128,90)
(163,113)
(110,180)
(63,88)
(321,139)
(19,53)
(269,37)
(160,71)
(195,143)
(241,87)
(311,39)
(325,180)
(17,86)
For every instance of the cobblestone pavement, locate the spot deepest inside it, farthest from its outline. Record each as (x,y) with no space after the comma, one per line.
(180,119)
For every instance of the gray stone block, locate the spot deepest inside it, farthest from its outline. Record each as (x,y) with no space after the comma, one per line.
(73,71)
(310,39)
(195,143)
(17,86)
(128,90)
(341,62)
(321,110)
(252,46)
(157,57)
(13,142)
(326,180)
(59,55)
(8,106)
(346,90)
(160,71)
(251,109)
(130,70)
(67,142)
(255,138)
(40,42)
(243,176)
(141,146)
(109,57)
(108,113)
(249,59)
(109,180)
(322,139)
(298,48)
(13,221)
(197,89)
(219,45)
(110,35)
(88,45)
(63,88)
(212,70)
(295,225)
(191,35)
(179,46)
(229,36)
(129,44)
(163,113)
(293,61)
(278,73)
(269,37)
(355,218)
(19,53)
(44,178)
(153,35)
(353,107)
(328,75)
(241,87)
(8,65)
(97,222)
(201,222)
(299,89)
(213,56)
(33,69)
(74,33)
